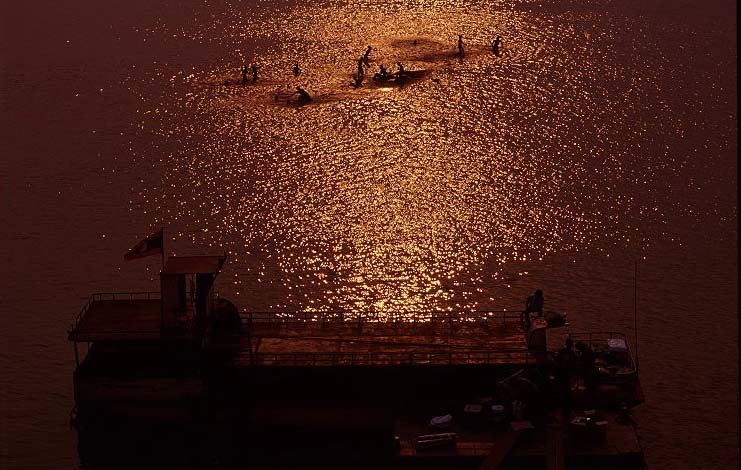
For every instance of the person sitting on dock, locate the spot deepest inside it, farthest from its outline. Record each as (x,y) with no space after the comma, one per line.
(244,75)
(254,72)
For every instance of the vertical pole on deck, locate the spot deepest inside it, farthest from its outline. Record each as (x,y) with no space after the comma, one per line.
(162,306)
(162,229)
(635,307)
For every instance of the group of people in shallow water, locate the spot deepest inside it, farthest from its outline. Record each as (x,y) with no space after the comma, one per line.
(382,74)
(494,45)
(362,64)
(245,72)
(303,95)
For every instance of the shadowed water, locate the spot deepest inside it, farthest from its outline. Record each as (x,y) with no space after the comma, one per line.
(602,133)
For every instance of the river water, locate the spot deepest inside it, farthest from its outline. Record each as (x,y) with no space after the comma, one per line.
(602,137)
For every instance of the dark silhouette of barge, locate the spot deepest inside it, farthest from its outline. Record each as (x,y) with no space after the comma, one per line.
(183,377)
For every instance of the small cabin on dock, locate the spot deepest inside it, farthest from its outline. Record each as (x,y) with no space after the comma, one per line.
(138,342)
(177,312)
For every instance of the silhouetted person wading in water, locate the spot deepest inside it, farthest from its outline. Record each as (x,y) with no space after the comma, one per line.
(495,45)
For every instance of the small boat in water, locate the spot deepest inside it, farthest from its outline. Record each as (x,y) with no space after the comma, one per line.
(399,78)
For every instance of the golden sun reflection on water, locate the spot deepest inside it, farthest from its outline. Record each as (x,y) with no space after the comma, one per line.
(402,198)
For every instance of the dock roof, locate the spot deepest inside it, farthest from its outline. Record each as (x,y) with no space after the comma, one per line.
(119,320)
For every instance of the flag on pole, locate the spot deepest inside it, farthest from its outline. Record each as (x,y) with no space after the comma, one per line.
(151,245)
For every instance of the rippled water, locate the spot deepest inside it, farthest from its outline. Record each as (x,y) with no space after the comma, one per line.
(387,198)
(604,132)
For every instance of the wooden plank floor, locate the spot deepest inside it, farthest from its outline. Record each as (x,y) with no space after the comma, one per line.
(130,320)
(384,343)
(120,320)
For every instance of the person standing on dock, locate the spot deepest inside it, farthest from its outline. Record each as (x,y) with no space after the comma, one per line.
(533,304)
(296,70)
(254,72)
(366,55)
(460,45)
(244,75)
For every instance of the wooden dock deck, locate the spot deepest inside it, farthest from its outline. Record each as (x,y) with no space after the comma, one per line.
(119,317)
(129,316)
(336,340)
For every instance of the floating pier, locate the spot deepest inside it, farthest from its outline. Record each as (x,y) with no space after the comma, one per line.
(355,383)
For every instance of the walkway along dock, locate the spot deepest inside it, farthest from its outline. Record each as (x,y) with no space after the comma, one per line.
(367,383)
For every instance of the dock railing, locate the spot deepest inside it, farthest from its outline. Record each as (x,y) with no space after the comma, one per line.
(503,316)
(130,296)
(411,358)
(149,295)
(271,323)
(591,339)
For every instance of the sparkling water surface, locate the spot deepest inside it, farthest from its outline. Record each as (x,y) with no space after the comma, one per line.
(602,134)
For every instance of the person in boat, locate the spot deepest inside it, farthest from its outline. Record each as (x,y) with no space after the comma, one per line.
(460,45)
(495,45)
(401,69)
(296,70)
(254,72)
(382,74)
(244,75)
(303,95)
(366,55)
(533,304)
